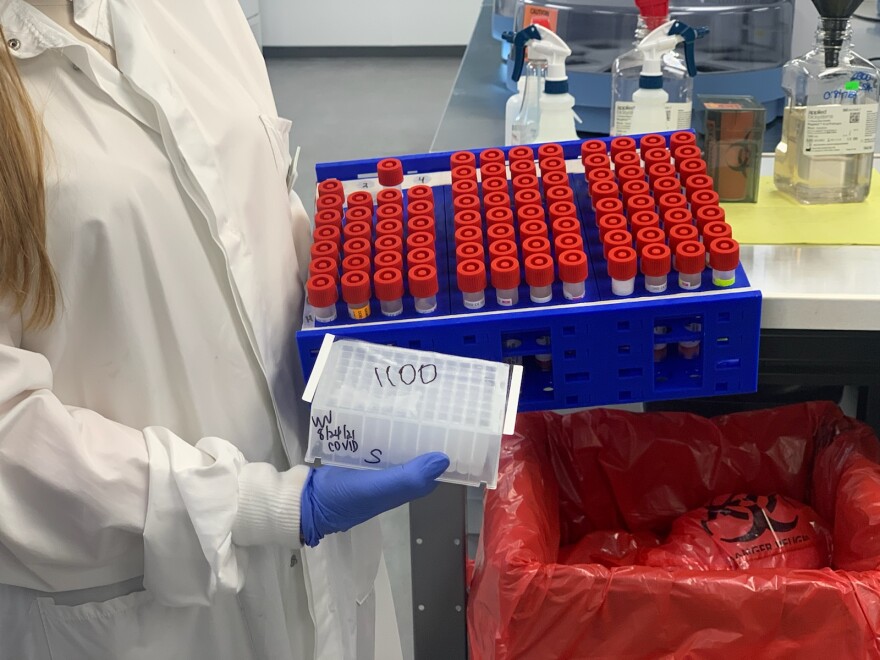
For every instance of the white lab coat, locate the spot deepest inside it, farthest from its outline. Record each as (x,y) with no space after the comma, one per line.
(145,436)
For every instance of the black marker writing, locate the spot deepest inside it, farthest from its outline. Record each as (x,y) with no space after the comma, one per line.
(377,457)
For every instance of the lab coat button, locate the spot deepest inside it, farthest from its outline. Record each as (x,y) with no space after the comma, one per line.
(14,44)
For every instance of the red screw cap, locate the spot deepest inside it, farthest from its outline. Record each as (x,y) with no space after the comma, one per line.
(357,246)
(460,158)
(501,215)
(553,165)
(686,152)
(420,207)
(591,147)
(671,201)
(418,240)
(464,173)
(680,138)
(642,219)
(468,235)
(707,214)
(360,198)
(424,256)
(330,187)
(652,141)
(322,291)
(389,260)
(595,162)
(539,270)
(468,219)
(568,226)
(495,184)
(622,263)
(389,228)
(521,167)
(388,283)
(423,281)
(529,212)
(359,214)
(559,194)
(626,159)
(328,217)
(619,144)
(550,150)
(616,238)
(690,257)
(465,187)
(716,230)
(656,260)
(390,172)
(703,198)
(562,210)
(468,251)
(566,242)
(608,205)
(601,174)
(493,171)
(357,230)
(690,167)
(681,233)
(528,196)
(329,201)
(724,254)
(638,203)
(648,236)
(603,190)
(572,266)
(665,185)
(324,266)
(524,182)
(420,192)
(535,245)
(389,212)
(505,273)
(697,182)
(632,188)
(521,153)
(660,171)
(553,179)
(491,156)
(328,233)
(496,200)
(676,218)
(325,249)
(471,275)
(389,196)
(655,156)
(355,287)
(630,173)
(389,243)
(501,231)
(466,203)
(502,249)
(610,222)
(532,228)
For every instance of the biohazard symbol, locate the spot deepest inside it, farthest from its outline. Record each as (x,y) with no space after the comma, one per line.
(748,508)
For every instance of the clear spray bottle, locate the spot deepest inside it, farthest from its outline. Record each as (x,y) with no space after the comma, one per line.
(526,122)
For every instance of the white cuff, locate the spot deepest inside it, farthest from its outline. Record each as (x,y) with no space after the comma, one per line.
(269,505)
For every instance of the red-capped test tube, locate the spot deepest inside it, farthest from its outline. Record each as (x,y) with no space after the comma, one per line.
(356,294)
(724,258)
(656,264)
(539,277)
(505,279)
(388,283)
(622,267)
(472,283)
(690,261)
(423,286)
(573,273)
(390,171)
(322,294)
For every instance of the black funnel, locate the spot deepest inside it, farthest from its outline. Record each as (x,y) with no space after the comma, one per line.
(835,17)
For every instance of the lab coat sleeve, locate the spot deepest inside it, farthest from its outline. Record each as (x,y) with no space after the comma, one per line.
(85,501)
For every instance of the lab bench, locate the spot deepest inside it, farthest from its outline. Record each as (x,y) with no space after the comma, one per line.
(820,326)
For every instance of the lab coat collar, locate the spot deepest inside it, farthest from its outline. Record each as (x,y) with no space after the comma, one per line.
(29,32)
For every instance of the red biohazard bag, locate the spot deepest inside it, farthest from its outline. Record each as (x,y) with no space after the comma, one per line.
(582,500)
(745,531)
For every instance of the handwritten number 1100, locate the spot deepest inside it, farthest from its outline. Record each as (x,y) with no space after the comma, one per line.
(408,374)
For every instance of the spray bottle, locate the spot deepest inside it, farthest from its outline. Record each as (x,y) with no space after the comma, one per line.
(650,99)
(556,105)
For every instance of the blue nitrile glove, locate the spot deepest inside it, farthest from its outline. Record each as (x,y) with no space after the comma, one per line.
(336,499)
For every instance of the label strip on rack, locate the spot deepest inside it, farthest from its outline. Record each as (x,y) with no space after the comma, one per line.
(318,369)
(516,376)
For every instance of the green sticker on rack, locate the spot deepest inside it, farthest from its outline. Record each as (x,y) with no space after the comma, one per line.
(852,85)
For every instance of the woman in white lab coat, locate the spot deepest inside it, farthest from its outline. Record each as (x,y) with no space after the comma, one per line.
(149,383)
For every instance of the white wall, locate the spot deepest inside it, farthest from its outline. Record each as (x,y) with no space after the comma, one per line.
(368,22)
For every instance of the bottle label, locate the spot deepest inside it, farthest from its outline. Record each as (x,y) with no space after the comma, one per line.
(360,313)
(840,130)
(678,117)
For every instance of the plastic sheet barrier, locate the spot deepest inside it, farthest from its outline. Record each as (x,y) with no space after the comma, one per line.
(584,499)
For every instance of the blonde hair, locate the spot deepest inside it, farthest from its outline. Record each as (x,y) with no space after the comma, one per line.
(26,275)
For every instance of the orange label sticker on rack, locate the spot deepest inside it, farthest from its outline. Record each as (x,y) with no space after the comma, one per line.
(546,16)
(361,313)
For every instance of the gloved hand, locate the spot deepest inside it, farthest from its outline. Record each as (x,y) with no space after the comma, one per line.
(336,499)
